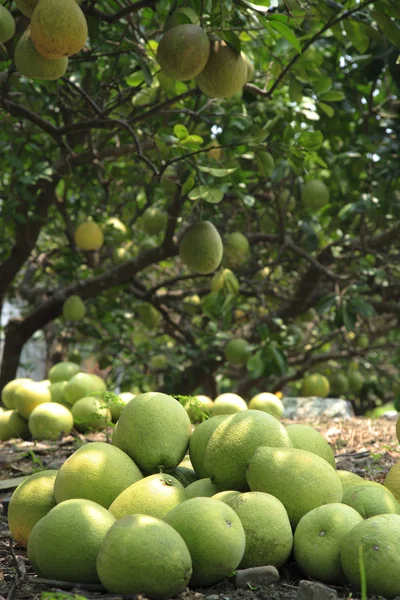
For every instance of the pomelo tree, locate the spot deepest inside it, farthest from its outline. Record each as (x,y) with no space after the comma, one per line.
(302,163)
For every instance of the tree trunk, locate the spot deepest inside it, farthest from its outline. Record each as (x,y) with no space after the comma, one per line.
(13,344)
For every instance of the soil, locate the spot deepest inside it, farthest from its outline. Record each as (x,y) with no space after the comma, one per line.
(367,447)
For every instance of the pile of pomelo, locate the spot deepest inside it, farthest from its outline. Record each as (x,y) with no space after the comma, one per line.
(162,508)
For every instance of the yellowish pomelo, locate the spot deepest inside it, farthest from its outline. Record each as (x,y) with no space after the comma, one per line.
(269,537)
(154,495)
(49,421)
(216,549)
(143,555)
(202,487)
(376,541)
(96,471)
(31,501)
(315,385)
(267,402)
(370,500)
(117,406)
(12,425)
(392,481)
(90,414)
(236,352)
(89,236)
(225,72)
(318,538)
(198,443)
(82,384)
(154,431)
(66,541)
(57,392)
(63,371)
(201,248)
(306,437)
(226,496)
(349,479)
(73,308)
(183,51)
(234,442)
(315,194)
(228,404)
(29,395)
(300,479)
(236,250)
(7,393)
(154,220)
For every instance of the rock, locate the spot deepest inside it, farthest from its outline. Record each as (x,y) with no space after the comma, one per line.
(311,590)
(306,408)
(256,577)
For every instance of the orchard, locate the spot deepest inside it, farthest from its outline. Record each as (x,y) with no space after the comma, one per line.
(199,219)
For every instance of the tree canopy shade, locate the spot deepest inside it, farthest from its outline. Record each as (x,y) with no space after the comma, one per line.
(115,137)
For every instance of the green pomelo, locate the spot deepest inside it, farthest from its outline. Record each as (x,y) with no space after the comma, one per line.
(198,443)
(29,395)
(370,500)
(392,480)
(82,384)
(154,431)
(96,471)
(154,220)
(234,442)
(31,501)
(7,393)
(249,66)
(73,309)
(269,537)
(236,352)
(57,392)
(118,404)
(315,194)
(50,421)
(287,201)
(180,16)
(317,540)
(202,487)
(158,362)
(375,541)
(201,248)
(236,250)
(349,479)
(315,385)
(154,495)
(228,404)
(12,425)
(90,414)
(226,280)
(143,555)
(300,479)
(183,51)
(63,371)
(184,475)
(66,541)
(356,381)
(7,25)
(338,384)
(149,315)
(216,549)
(225,73)
(268,403)
(197,407)
(226,496)
(306,437)
(33,65)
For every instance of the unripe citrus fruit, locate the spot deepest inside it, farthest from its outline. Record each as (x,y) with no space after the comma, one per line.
(201,248)
(267,402)
(7,393)
(89,236)
(315,194)
(315,385)
(29,395)
(228,403)
(50,420)
(236,352)
(183,51)
(63,371)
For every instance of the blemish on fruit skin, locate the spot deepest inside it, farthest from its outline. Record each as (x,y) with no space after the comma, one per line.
(375,547)
(322,533)
(229,523)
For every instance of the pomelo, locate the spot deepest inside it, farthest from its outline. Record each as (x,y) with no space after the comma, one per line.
(338,384)
(180,16)
(154,220)
(268,403)
(201,248)
(119,403)
(216,549)
(228,404)
(300,479)
(154,495)
(184,475)
(198,407)
(66,541)
(234,442)
(31,501)
(82,384)
(7,393)
(398,429)
(306,437)
(392,481)
(7,25)
(29,395)
(183,51)
(89,236)
(348,478)
(73,308)
(318,538)
(90,414)
(149,315)
(315,194)
(154,431)
(33,65)
(266,524)
(370,500)
(315,385)
(226,496)
(236,352)
(225,73)
(57,392)
(198,443)
(202,487)
(225,280)
(375,541)
(143,555)
(96,471)
(356,381)
(12,425)
(50,421)
(63,371)
(236,250)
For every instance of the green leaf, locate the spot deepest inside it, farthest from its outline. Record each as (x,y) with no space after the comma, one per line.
(287,33)
(259,5)
(312,140)
(195,140)
(189,183)
(322,85)
(212,195)
(232,39)
(295,91)
(357,35)
(181,132)
(255,365)
(332,96)
(215,172)
(328,110)
(389,27)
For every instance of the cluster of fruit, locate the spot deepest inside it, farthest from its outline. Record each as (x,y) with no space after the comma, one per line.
(141,516)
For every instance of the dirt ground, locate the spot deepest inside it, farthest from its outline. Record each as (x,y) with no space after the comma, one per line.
(366,447)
